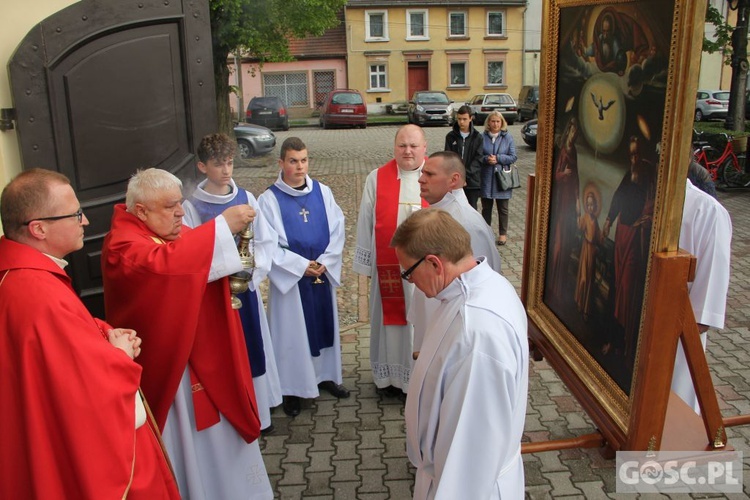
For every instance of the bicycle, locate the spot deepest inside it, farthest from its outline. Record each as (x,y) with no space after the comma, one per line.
(720,161)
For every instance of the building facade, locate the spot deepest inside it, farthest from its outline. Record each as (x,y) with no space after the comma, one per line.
(462,47)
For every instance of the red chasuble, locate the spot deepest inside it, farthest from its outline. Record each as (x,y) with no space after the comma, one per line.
(159,288)
(386,221)
(67,421)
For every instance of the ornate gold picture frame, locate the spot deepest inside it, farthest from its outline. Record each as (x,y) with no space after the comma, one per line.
(618,84)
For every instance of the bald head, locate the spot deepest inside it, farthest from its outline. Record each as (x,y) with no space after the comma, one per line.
(442,173)
(410,147)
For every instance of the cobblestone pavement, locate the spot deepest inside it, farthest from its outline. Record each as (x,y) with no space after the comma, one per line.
(355,448)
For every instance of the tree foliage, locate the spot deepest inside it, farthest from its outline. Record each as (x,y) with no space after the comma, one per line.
(722,34)
(262,29)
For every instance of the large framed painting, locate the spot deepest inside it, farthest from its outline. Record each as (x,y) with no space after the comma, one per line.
(618,88)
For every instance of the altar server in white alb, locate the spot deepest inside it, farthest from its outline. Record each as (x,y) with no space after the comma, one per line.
(467,398)
(306,271)
(706,232)
(441,185)
(212,196)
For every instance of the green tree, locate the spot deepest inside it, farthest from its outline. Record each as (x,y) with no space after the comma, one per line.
(732,42)
(262,29)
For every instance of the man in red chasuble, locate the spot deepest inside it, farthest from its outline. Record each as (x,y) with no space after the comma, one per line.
(169,282)
(72,424)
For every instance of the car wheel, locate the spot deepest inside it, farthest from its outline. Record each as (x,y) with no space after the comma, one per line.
(245,149)
(511,122)
(285,126)
(698,115)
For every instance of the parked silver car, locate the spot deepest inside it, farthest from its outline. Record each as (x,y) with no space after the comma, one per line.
(711,104)
(254,140)
(483,104)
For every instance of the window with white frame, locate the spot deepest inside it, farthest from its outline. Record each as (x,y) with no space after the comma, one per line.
(378,77)
(457,24)
(376,25)
(416,24)
(496,23)
(496,73)
(458,74)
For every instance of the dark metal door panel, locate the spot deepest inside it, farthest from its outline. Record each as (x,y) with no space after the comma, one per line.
(105,87)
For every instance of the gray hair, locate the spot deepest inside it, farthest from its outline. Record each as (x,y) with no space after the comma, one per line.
(145,184)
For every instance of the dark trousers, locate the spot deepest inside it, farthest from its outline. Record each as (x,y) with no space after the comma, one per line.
(473,196)
(502,214)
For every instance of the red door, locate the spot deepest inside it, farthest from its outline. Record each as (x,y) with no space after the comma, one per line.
(418,77)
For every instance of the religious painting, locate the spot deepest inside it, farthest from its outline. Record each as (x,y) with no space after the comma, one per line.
(610,78)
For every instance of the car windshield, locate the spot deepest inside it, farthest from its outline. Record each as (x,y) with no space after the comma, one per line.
(499,99)
(346,98)
(265,102)
(432,98)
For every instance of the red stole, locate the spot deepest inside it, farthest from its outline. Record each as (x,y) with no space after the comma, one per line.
(386,221)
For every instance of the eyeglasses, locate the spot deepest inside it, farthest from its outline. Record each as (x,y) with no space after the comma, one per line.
(78,215)
(405,275)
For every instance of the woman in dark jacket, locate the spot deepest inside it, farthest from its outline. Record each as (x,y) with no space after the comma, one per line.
(499,151)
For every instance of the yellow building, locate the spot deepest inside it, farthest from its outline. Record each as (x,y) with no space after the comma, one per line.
(462,47)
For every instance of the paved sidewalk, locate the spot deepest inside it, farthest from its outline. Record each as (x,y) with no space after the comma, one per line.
(355,448)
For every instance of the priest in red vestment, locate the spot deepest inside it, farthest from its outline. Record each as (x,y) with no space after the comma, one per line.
(72,424)
(169,283)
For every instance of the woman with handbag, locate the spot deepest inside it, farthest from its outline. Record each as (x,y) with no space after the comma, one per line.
(499,152)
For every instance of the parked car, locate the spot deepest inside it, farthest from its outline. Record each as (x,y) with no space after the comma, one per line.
(254,140)
(343,107)
(268,112)
(484,104)
(528,133)
(528,102)
(711,104)
(430,106)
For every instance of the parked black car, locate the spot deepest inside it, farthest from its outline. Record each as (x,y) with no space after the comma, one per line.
(528,133)
(268,112)
(528,102)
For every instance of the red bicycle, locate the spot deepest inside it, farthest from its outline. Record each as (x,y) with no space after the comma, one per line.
(715,153)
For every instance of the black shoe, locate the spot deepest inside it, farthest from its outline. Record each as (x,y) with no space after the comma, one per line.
(268,430)
(334,389)
(390,391)
(291,405)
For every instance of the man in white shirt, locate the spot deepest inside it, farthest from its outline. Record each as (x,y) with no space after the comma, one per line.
(469,385)
(443,176)
(706,232)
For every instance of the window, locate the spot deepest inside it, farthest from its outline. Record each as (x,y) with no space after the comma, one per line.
(495,23)
(376,25)
(378,77)
(458,74)
(416,25)
(457,24)
(291,88)
(495,70)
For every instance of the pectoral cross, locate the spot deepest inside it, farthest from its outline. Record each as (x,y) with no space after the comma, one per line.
(304,213)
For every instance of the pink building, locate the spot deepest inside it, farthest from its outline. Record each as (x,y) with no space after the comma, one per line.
(320,66)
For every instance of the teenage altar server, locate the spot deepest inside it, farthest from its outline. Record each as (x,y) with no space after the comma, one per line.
(169,282)
(469,386)
(212,196)
(306,270)
(706,232)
